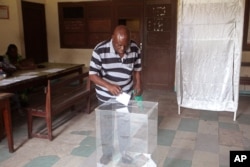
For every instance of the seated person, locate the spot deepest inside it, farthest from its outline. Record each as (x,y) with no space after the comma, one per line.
(13,58)
(13,61)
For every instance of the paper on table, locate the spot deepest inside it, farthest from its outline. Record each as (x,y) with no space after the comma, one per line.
(123,98)
(29,73)
(53,70)
(7,81)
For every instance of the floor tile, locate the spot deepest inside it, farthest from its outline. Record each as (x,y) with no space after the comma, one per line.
(208,127)
(184,140)
(180,153)
(224,116)
(86,148)
(189,124)
(43,161)
(230,138)
(224,160)
(72,161)
(170,123)
(4,152)
(177,162)
(161,153)
(244,119)
(209,115)
(207,142)
(205,159)
(245,130)
(165,137)
(189,113)
(226,125)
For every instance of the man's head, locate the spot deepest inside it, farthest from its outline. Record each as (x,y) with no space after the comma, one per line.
(121,39)
(12,52)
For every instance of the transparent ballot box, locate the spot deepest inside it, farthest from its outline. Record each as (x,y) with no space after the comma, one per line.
(126,136)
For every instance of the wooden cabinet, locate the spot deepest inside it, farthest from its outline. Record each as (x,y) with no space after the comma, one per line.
(72,25)
(84,24)
(99,22)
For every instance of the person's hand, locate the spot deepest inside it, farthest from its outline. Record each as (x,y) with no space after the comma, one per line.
(137,91)
(114,89)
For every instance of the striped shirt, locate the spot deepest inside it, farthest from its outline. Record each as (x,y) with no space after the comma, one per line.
(107,64)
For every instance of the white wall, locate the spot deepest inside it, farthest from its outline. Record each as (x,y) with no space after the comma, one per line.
(56,54)
(11,31)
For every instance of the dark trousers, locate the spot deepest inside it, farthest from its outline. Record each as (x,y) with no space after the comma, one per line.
(108,131)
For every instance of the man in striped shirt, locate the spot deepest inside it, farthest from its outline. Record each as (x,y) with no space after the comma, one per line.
(115,66)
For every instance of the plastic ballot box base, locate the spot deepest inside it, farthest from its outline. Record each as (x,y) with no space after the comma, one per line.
(126,135)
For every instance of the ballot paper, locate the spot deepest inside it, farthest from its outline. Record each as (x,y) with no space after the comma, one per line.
(123,98)
(123,110)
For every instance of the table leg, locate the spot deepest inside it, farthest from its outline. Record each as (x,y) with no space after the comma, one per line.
(1,126)
(8,124)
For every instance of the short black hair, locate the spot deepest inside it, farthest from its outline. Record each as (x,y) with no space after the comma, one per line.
(11,46)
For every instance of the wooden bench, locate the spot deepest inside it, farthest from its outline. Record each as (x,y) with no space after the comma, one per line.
(59,95)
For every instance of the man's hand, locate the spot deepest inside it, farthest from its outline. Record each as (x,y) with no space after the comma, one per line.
(137,83)
(137,91)
(114,89)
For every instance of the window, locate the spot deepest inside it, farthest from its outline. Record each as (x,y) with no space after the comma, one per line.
(84,24)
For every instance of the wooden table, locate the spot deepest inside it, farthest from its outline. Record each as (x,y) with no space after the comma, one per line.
(6,113)
(23,79)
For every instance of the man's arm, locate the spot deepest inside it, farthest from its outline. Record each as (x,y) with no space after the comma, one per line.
(137,83)
(112,88)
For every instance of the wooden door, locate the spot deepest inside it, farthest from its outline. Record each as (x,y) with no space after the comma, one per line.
(35,35)
(159,46)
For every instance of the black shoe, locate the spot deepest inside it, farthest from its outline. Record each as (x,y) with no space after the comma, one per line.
(105,159)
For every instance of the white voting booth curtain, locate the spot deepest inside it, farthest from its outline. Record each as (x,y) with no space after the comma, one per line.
(209,47)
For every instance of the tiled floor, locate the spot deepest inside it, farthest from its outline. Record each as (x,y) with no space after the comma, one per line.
(193,139)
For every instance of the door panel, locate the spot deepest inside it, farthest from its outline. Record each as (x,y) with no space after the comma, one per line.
(156,77)
(159,44)
(34,27)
